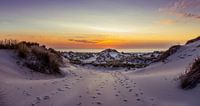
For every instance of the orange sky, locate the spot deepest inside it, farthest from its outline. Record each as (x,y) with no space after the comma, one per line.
(103,41)
(135,24)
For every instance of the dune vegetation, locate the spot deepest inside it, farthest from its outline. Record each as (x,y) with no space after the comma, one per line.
(35,56)
(191,77)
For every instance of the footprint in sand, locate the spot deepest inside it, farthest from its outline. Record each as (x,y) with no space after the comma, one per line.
(67,87)
(94,97)
(99,103)
(130,90)
(54,82)
(98,93)
(38,99)
(32,104)
(79,104)
(152,99)
(125,100)
(136,94)
(26,93)
(59,89)
(46,97)
(138,99)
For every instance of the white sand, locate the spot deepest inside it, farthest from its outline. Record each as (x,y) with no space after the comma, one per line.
(156,85)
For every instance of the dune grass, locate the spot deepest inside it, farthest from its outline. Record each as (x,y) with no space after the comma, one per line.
(191,77)
(36,57)
(168,53)
(8,44)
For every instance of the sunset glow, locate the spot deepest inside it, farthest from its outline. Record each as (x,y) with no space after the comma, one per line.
(123,24)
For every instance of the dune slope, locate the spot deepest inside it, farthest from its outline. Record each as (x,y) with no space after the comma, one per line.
(156,85)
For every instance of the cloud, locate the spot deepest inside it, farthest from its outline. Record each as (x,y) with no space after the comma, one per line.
(146,45)
(183,8)
(167,22)
(6,21)
(83,41)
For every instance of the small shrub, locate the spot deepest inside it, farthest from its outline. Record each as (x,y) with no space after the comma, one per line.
(191,77)
(44,60)
(22,50)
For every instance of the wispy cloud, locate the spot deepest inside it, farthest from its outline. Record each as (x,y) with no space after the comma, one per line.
(6,21)
(166,22)
(84,41)
(183,8)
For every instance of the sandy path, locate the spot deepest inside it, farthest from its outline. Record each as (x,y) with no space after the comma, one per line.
(80,88)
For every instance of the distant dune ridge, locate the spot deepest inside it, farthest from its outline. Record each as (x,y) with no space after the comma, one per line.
(112,58)
(161,83)
(193,40)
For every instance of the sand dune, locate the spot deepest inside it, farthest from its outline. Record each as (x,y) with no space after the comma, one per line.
(155,85)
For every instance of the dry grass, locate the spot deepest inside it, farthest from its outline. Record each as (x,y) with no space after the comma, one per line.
(8,44)
(169,52)
(36,57)
(191,77)
(47,61)
(22,50)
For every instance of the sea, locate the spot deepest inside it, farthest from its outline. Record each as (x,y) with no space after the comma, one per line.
(119,50)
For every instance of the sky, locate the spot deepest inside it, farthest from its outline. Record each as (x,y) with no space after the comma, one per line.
(126,24)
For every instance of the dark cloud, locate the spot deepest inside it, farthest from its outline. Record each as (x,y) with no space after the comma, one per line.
(83,41)
(183,8)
